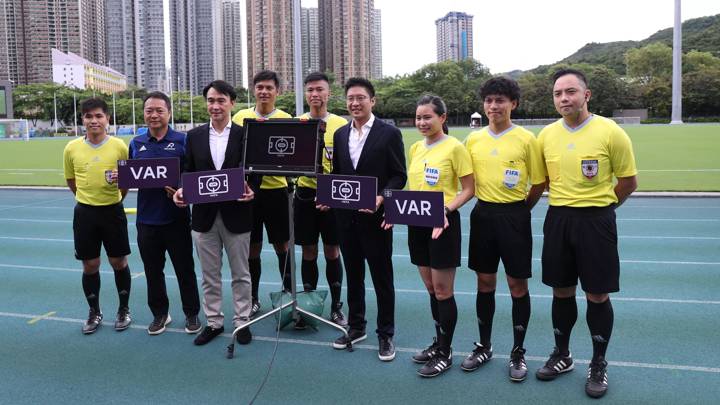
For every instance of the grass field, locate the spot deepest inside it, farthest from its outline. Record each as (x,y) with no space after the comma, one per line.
(669,158)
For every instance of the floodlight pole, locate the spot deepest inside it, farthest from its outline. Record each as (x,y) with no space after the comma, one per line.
(75,113)
(297,44)
(133,111)
(114,116)
(677,68)
(55,110)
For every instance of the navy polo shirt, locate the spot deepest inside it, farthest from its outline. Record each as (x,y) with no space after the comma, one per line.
(154,206)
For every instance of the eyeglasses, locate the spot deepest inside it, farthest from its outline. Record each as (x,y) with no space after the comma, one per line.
(359,99)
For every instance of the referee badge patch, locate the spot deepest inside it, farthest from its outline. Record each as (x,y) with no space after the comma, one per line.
(511,178)
(432,175)
(328,152)
(589,167)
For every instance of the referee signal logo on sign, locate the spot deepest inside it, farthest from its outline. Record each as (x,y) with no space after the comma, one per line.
(281,145)
(589,168)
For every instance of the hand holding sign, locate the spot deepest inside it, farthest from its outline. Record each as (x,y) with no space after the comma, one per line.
(178,198)
(438,231)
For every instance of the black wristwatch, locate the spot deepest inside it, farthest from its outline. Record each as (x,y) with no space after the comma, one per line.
(447,210)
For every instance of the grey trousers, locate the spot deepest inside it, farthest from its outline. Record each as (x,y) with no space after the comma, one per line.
(209,247)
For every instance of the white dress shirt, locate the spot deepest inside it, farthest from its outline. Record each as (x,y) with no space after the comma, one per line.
(218,144)
(357,139)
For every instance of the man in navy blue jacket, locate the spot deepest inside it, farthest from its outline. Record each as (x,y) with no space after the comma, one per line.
(161,225)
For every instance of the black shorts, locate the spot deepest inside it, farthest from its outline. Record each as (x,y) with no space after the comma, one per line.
(441,253)
(501,231)
(96,225)
(310,222)
(271,208)
(581,243)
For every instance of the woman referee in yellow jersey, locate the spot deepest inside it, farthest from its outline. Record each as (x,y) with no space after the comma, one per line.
(436,164)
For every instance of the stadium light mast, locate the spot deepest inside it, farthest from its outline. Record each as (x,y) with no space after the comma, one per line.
(297,48)
(677,68)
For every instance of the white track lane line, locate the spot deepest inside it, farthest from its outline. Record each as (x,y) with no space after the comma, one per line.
(401,290)
(305,342)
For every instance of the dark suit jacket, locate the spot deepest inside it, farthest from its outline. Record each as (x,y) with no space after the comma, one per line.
(383,157)
(237,216)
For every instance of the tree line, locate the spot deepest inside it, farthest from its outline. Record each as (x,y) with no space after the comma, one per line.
(646,84)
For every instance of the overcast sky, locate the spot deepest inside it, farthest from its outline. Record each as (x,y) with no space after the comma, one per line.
(519,34)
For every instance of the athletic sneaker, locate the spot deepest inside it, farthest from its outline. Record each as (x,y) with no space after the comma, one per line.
(208,334)
(192,324)
(437,365)
(337,317)
(255,308)
(597,381)
(244,336)
(479,356)
(555,365)
(386,348)
(158,324)
(123,319)
(427,354)
(353,336)
(93,322)
(517,366)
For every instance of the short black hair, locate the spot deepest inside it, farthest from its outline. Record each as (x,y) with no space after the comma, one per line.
(362,82)
(316,77)
(266,75)
(221,86)
(93,103)
(159,95)
(562,72)
(501,85)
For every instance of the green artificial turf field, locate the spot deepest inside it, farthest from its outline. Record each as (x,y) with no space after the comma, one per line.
(669,158)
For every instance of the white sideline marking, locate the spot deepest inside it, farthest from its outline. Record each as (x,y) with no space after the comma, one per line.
(305,342)
(401,290)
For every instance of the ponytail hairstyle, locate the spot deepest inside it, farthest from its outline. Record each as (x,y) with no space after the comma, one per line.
(438,106)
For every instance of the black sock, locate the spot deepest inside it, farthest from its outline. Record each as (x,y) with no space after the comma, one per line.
(334,275)
(310,274)
(284,268)
(122,282)
(91,288)
(520,317)
(435,315)
(447,312)
(600,321)
(255,271)
(564,315)
(485,309)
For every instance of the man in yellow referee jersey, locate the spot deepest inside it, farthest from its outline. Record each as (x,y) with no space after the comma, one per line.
(310,222)
(270,206)
(90,165)
(583,152)
(509,180)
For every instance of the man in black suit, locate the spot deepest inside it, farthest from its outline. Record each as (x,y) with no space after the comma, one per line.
(368,147)
(215,146)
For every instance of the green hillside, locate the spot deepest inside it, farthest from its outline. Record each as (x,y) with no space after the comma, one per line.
(700,34)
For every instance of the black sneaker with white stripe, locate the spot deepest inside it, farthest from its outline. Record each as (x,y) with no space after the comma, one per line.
(517,366)
(437,365)
(555,365)
(158,324)
(426,355)
(479,356)
(597,381)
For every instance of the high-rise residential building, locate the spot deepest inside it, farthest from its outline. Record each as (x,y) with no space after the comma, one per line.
(32,28)
(232,42)
(270,39)
(194,43)
(345,39)
(136,41)
(310,40)
(454,36)
(376,46)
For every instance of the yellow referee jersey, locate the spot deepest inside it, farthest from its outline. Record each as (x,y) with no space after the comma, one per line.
(268,182)
(332,123)
(87,163)
(505,163)
(581,162)
(438,167)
